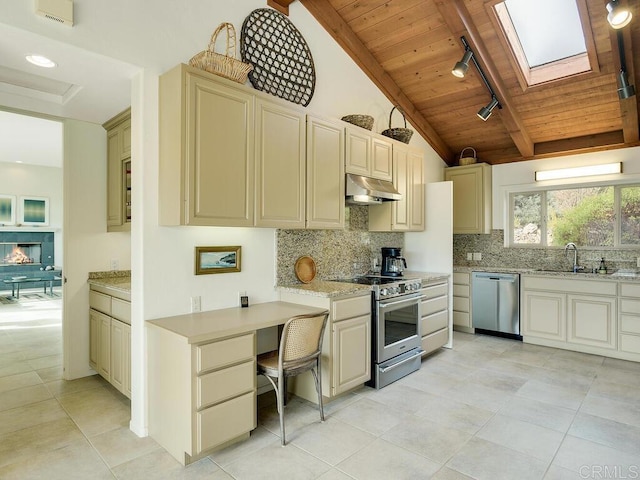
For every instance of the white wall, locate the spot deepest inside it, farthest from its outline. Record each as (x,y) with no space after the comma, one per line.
(88,246)
(520,176)
(33,180)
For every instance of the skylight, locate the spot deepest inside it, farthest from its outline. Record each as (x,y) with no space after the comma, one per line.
(546,38)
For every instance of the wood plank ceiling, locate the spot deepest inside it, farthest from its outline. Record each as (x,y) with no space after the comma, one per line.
(408,48)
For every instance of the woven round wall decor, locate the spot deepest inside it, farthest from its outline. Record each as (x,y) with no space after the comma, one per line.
(281,59)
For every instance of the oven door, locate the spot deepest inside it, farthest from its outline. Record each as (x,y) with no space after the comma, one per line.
(398,325)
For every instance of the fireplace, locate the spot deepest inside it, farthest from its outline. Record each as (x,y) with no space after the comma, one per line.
(24,253)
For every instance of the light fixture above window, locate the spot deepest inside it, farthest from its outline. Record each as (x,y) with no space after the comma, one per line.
(575,172)
(40,61)
(619,16)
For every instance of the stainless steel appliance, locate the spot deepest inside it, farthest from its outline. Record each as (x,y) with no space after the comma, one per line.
(495,303)
(395,332)
(393,263)
(369,191)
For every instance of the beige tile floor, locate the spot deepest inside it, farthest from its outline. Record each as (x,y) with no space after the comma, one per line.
(488,409)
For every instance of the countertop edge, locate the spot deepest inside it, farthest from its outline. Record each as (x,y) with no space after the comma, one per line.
(549,273)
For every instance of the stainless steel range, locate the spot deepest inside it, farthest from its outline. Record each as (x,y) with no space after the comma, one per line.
(395,316)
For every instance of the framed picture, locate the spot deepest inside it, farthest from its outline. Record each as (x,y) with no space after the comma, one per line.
(7,210)
(34,211)
(217,260)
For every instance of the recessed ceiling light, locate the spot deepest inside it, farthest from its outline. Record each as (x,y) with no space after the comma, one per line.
(40,61)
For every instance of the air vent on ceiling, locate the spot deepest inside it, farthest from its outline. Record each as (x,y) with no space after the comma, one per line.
(60,11)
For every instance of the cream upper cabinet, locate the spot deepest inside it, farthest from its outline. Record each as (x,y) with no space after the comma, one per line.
(408,178)
(368,154)
(206,150)
(325,174)
(280,166)
(471,198)
(119,172)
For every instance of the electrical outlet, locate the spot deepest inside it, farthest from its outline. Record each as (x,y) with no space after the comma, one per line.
(114,264)
(195,304)
(244,299)
(469,256)
(477,256)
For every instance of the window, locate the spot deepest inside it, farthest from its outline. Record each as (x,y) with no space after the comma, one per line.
(604,216)
(548,39)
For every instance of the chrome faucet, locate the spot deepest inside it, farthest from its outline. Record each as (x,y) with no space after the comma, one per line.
(568,246)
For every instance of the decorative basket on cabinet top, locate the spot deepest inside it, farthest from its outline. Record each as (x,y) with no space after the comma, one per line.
(466,159)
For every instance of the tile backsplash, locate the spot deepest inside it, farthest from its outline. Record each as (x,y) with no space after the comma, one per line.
(494,254)
(337,253)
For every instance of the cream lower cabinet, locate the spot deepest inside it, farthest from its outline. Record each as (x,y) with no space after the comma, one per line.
(462,302)
(325,174)
(110,339)
(572,314)
(346,347)
(434,326)
(408,178)
(629,319)
(471,197)
(202,396)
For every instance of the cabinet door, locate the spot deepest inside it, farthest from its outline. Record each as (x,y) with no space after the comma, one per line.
(471,198)
(219,149)
(382,159)
(592,320)
(94,335)
(352,353)
(544,315)
(280,166)
(104,346)
(415,188)
(126,349)
(117,354)
(114,179)
(402,178)
(358,152)
(325,174)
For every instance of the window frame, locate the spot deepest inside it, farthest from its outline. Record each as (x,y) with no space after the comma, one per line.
(581,64)
(617,235)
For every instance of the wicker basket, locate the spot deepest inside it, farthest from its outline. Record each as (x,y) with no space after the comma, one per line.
(364,121)
(401,134)
(227,66)
(467,160)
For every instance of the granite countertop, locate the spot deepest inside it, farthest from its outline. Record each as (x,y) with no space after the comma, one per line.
(613,276)
(116,279)
(336,288)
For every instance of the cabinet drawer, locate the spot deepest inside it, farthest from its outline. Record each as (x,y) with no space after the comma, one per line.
(630,343)
(434,305)
(461,319)
(225,421)
(630,324)
(435,290)
(582,287)
(221,385)
(461,291)
(630,306)
(226,352)
(351,307)
(461,304)
(100,301)
(630,290)
(461,278)
(435,340)
(121,310)
(436,321)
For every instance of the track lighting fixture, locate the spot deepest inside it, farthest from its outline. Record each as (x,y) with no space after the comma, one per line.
(625,90)
(485,112)
(619,16)
(461,67)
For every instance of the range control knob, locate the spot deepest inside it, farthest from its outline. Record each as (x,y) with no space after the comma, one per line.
(384,292)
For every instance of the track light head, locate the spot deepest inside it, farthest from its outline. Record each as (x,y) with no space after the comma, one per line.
(619,16)
(485,112)
(625,90)
(461,67)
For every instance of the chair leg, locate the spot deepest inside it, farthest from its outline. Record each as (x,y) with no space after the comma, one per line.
(317,378)
(281,408)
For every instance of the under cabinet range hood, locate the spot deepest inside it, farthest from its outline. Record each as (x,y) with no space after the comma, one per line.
(369,191)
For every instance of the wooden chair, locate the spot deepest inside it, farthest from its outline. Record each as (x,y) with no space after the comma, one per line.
(299,351)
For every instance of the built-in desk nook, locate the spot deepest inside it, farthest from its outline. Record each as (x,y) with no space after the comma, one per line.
(202,376)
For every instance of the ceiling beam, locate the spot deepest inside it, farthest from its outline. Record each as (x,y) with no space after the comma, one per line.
(327,16)
(281,5)
(458,19)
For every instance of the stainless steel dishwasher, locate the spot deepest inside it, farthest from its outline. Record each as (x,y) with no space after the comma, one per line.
(495,303)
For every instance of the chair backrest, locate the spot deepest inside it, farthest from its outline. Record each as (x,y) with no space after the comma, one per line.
(301,338)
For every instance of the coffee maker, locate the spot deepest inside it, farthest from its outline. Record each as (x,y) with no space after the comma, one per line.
(393,263)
